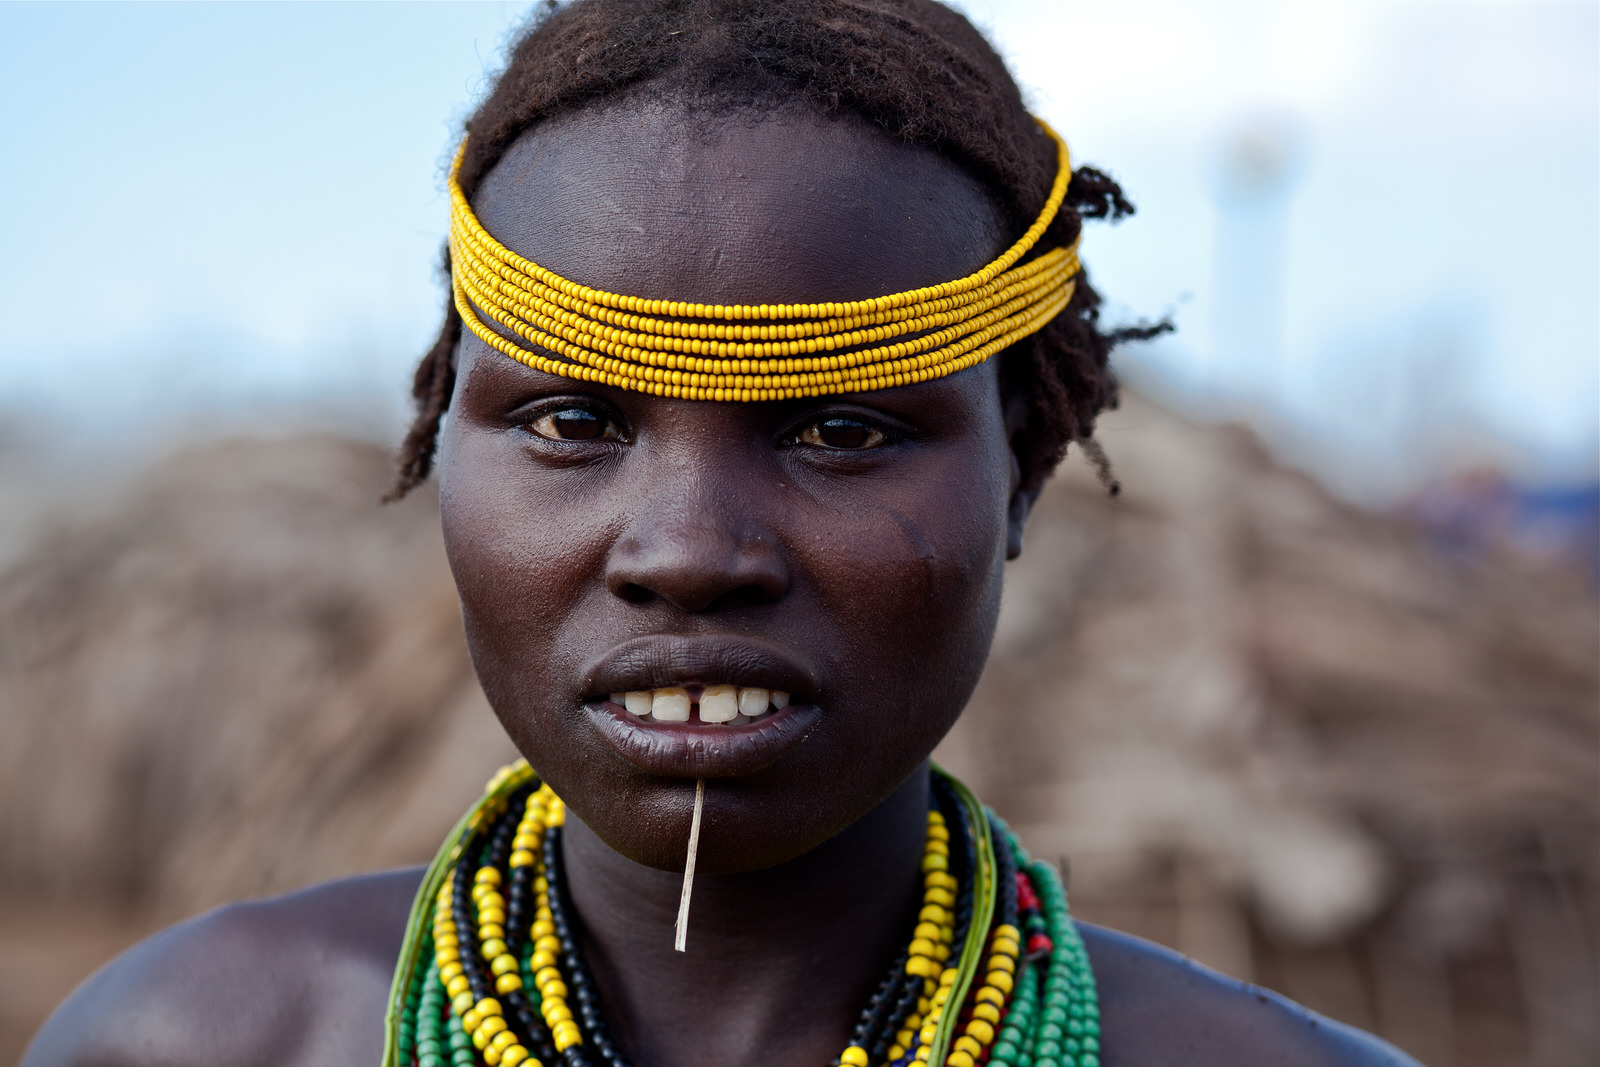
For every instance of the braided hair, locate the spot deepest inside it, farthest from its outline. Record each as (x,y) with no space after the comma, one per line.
(913,68)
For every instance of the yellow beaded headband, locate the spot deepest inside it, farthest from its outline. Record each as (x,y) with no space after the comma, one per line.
(757,351)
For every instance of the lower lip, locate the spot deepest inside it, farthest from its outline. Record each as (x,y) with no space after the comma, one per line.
(702,750)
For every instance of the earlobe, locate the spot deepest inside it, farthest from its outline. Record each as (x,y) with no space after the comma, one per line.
(1020,507)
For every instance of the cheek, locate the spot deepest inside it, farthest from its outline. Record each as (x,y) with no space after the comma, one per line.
(911,578)
(521,566)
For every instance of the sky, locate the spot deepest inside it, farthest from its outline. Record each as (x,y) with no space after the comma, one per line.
(1376,226)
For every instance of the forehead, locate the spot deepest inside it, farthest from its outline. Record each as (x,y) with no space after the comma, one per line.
(657,200)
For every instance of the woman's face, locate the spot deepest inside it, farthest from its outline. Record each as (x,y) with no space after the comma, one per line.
(844,550)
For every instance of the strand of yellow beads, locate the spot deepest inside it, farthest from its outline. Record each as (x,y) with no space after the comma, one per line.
(755,352)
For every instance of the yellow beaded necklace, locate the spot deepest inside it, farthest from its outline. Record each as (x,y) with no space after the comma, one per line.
(696,351)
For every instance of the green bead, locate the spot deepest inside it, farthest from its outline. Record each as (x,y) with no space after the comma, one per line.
(1091,1044)
(1089,1059)
(1051,1032)
(459,1040)
(1050,1049)
(430,1059)
(1072,1045)
(464,1058)
(428,1046)
(1004,1052)
(1091,1027)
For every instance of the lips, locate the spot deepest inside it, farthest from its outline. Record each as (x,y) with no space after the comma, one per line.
(692,746)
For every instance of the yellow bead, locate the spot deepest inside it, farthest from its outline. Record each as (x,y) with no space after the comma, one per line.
(515,1056)
(489,1006)
(553,990)
(490,1026)
(461,1002)
(991,995)
(926,930)
(508,982)
(566,1035)
(493,947)
(959,1058)
(980,1030)
(932,861)
(1000,962)
(921,946)
(1000,980)
(503,963)
(987,1012)
(456,985)
(503,1040)
(966,1044)
(487,876)
(854,1056)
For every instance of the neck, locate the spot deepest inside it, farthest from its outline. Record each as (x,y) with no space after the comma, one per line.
(780,962)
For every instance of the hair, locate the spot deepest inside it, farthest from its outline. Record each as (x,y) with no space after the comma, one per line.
(913,68)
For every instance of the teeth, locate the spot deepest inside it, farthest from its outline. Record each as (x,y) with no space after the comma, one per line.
(715,704)
(670,705)
(719,703)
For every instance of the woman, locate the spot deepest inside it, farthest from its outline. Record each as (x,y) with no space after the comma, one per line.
(729,571)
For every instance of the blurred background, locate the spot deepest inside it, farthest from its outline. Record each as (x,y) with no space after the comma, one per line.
(1315,702)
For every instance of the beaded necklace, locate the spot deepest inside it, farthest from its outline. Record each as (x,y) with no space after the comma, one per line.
(490,971)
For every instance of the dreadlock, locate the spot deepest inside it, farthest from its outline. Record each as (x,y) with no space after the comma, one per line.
(913,68)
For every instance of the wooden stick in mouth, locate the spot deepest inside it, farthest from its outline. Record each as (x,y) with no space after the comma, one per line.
(681,940)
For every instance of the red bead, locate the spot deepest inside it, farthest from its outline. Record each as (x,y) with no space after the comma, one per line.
(1039,943)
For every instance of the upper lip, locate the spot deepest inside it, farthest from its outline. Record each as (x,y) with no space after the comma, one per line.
(659,660)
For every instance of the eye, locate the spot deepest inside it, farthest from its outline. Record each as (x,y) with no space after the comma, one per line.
(843,433)
(575,424)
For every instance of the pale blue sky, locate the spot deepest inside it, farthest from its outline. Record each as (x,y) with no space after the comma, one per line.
(204,207)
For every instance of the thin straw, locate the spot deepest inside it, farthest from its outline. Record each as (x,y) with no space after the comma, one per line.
(682,938)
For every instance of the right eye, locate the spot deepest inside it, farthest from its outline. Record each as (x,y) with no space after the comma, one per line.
(575,424)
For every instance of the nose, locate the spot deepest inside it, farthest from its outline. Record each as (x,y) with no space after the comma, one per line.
(697,546)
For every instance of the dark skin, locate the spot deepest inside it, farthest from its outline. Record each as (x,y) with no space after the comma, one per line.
(846,549)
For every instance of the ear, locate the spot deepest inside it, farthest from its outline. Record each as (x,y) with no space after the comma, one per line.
(1020,503)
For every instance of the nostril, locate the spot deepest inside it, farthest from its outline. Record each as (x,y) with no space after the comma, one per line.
(634,593)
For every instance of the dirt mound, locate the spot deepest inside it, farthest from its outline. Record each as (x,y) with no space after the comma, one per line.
(1281,734)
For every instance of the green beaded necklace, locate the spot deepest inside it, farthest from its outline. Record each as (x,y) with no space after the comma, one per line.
(489,971)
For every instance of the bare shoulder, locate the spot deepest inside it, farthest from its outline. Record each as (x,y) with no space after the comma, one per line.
(1159,1007)
(297,979)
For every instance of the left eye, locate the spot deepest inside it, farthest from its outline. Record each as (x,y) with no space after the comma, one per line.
(574,424)
(841,433)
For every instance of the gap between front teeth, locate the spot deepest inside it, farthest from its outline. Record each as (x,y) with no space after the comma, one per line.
(717,704)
